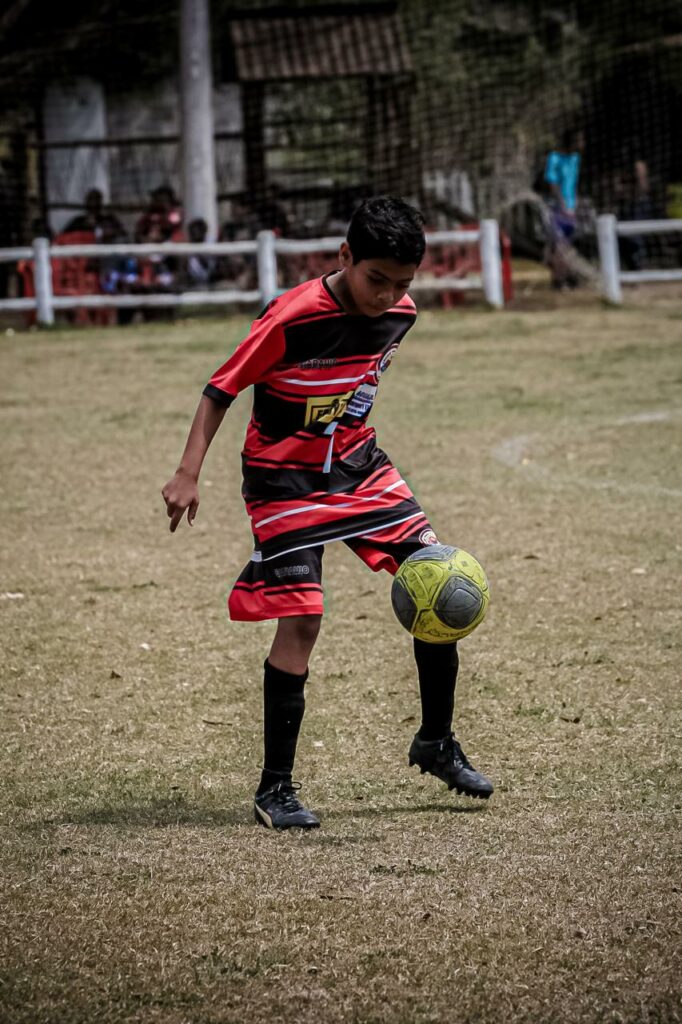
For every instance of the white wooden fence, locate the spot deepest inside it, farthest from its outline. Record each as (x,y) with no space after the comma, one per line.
(266,248)
(608,230)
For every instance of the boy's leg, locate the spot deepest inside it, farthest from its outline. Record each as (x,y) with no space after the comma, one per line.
(286,672)
(287,588)
(434,748)
(437,666)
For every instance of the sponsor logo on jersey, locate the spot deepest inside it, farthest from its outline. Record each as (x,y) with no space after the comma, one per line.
(326,408)
(362,400)
(316,364)
(427,537)
(385,360)
(292,570)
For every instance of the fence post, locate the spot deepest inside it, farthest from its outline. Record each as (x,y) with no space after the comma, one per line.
(491,263)
(267,266)
(607,240)
(42,279)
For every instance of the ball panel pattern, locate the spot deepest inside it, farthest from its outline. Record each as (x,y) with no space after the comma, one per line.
(403,605)
(440,594)
(458,603)
(433,553)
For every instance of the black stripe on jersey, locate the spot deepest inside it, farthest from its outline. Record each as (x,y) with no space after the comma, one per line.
(410,528)
(296,483)
(323,533)
(344,336)
(332,362)
(315,314)
(284,460)
(262,485)
(296,396)
(257,425)
(221,397)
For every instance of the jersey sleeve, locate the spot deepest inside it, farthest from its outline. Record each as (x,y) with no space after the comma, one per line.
(262,349)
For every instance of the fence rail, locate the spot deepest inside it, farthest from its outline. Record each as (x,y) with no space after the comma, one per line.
(608,230)
(266,247)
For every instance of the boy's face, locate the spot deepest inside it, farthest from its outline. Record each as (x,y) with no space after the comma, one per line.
(374,285)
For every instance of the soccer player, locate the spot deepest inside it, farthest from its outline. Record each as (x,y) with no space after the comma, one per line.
(313,473)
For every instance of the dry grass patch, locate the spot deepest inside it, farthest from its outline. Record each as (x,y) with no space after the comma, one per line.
(135,886)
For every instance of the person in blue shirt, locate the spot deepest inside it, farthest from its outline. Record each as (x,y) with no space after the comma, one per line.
(562,173)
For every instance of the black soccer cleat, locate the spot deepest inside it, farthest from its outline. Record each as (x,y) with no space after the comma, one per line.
(279,807)
(447,761)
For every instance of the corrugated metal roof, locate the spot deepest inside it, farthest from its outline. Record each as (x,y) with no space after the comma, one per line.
(319,46)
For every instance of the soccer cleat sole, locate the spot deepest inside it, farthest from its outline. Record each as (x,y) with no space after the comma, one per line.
(262,817)
(461,791)
(469,792)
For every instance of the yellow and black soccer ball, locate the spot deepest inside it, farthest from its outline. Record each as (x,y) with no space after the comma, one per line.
(440,594)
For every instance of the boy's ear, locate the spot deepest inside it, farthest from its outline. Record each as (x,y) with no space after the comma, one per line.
(345,256)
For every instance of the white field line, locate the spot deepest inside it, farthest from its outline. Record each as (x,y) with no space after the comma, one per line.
(515,452)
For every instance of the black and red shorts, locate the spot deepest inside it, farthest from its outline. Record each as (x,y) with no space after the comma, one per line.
(291,583)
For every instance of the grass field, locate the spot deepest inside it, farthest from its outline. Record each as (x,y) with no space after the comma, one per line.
(135,886)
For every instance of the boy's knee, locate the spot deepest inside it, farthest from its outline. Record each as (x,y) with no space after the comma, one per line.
(302,629)
(309,628)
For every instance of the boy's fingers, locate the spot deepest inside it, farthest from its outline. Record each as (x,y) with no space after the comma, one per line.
(176,516)
(192,511)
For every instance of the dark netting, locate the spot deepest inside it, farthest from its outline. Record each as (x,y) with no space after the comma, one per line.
(454,104)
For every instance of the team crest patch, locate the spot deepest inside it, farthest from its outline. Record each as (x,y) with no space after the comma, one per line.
(385,360)
(427,537)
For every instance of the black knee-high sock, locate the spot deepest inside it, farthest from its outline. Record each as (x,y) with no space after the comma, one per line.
(437,666)
(283,707)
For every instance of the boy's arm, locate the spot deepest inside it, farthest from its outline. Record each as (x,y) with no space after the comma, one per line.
(181,493)
(259,351)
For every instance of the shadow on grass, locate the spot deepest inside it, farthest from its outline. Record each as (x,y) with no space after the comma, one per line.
(161,813)
(173,814)
(377,812)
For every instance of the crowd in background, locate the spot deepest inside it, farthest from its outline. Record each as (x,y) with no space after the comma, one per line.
(162,221)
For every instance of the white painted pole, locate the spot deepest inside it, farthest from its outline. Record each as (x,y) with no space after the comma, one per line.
(267,266)
(42,279)
(607,240)
(491,263)
(196,103)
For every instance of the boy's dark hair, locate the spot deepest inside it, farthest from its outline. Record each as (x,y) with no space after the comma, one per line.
(384,228)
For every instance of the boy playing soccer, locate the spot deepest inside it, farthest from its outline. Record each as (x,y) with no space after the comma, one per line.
(313,473)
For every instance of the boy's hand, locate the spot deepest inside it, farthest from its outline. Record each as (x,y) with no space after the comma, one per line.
(181,493)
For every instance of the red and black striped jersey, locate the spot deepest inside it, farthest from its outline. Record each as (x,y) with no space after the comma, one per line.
(315,370)
(312,470)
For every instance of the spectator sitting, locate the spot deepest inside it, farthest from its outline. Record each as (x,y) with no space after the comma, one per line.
(165,213)
(93,215)
(157,272)
(200,270)
(116,273)
(241,269)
